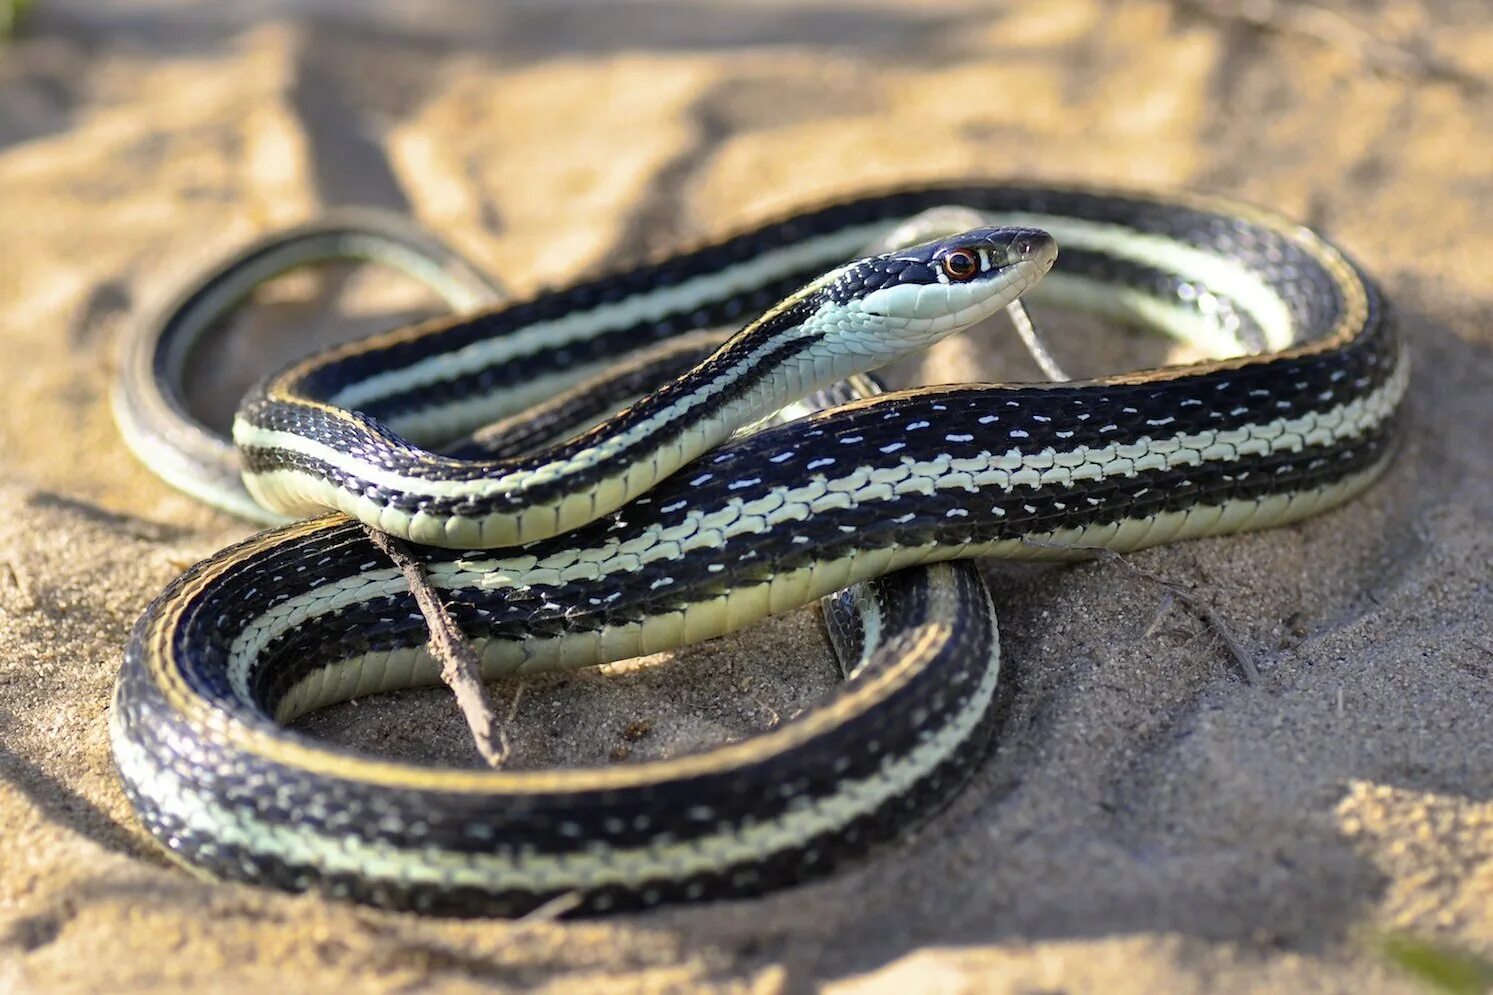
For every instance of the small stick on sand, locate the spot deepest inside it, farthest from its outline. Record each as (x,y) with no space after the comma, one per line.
(1161,613)
(1035,342)
(460,668)
(15,579)
(1196,605)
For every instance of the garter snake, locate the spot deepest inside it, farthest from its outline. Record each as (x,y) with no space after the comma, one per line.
(656,527)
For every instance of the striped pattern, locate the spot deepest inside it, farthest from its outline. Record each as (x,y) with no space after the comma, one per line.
(957,497)
(149,400)
(877,493)
(303,451)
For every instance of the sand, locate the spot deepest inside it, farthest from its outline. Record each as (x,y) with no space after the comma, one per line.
(1148,822)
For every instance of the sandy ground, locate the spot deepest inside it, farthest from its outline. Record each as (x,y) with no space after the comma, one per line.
(1147,823)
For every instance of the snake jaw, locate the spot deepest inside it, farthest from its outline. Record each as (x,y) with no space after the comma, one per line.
(914,300)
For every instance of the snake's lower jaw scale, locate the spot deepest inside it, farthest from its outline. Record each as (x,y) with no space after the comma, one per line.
(309,614)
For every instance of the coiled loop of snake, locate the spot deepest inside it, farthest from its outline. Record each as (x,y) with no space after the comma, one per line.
(656,528)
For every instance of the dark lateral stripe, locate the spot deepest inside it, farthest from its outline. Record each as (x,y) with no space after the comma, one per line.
(961,423)
(517,436)
(749,559)
(989,515)
(787,866)
(1279,261)
(377,444)
(612,345)
(930,698)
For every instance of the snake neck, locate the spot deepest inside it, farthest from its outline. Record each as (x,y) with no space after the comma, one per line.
(303,453)
(294,442)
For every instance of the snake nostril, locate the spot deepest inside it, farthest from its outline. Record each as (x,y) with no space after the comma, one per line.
(1031,246)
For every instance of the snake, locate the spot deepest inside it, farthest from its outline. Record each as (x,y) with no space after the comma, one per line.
(588,535)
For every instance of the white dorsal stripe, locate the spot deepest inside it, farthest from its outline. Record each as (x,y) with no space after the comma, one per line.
(1215,273)
(842,340)
(594,866)
(826,250)
(776,506)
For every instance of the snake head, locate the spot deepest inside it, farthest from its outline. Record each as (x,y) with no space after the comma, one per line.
(906,299)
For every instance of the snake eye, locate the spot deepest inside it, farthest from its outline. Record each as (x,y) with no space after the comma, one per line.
(961,264)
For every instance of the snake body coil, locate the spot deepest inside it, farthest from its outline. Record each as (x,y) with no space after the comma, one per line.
(651,530)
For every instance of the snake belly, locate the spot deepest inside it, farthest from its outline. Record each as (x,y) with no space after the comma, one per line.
(1299,416)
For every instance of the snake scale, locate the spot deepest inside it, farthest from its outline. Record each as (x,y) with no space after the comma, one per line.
(579,536)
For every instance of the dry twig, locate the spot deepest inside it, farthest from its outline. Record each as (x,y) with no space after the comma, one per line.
(1196,605)
(460,668)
